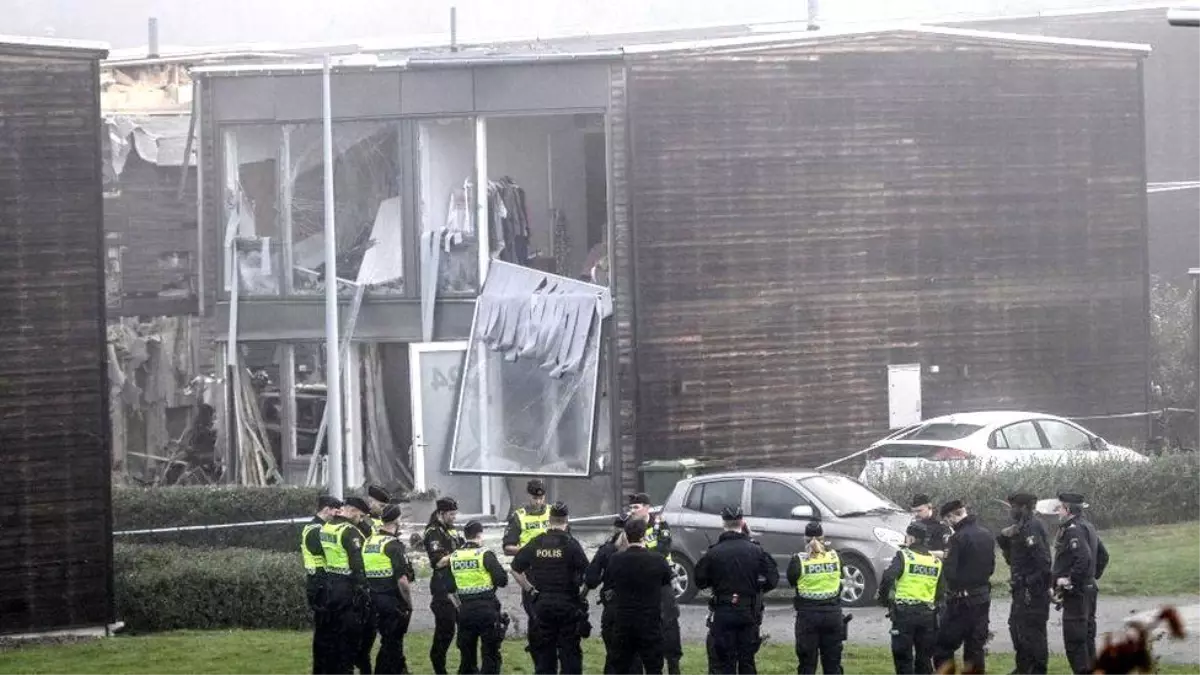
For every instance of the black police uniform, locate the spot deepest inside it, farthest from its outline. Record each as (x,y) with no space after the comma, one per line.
(324,645)
(594,577)
(347,600)
(938,538)
(1080,557)
(970,562)
(672,642)
(554,564)
(441,541)
(480,629)
(362,659)
(391,611)
(1026,548)
(820,629)
(638,578)
(738,571)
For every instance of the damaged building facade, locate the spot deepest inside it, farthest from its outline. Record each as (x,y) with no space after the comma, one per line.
(721,249)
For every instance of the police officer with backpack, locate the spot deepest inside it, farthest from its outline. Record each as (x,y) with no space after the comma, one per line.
(910,589)
(816,574)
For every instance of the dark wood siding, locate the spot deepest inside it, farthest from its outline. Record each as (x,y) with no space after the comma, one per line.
(803,217)
(155,229)
(1172,118)
(55,566)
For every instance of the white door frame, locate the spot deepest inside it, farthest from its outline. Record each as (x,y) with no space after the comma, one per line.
(415,350)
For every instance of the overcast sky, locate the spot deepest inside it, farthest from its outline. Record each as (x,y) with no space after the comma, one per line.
(122,23)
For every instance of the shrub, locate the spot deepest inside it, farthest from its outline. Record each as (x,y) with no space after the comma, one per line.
(149,508)
(1161,491)
(174,587)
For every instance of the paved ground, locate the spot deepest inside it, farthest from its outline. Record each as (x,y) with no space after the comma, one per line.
(871,627)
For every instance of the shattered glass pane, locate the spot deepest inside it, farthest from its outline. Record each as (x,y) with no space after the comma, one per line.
(529,391)
(449,249)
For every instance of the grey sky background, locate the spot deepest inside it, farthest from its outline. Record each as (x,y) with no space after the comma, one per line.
(122,23)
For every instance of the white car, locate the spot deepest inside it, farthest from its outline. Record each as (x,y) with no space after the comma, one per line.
(999,438)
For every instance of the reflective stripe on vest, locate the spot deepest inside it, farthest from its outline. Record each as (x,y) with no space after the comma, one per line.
(918,578)
(470,576)
(375,561)
(337,560)
(650,539)
(531,525)
(312,563)
(820,576)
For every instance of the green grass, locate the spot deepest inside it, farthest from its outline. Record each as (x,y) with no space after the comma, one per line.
(1152,560)
(288,652)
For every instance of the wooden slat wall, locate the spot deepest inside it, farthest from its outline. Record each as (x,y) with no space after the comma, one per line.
(803,217)
(55,565)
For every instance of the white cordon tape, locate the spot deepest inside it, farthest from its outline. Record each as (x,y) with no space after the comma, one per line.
(305,519)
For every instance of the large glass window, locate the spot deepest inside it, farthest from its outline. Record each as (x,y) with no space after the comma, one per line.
(275,208)
(449,243)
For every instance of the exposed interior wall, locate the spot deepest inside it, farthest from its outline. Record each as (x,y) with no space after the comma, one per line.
(447,149)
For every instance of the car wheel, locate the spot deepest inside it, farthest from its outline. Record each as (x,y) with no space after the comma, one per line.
(858,582)
(684,580)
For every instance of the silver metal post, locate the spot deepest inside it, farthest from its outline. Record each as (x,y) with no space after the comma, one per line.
(333,369)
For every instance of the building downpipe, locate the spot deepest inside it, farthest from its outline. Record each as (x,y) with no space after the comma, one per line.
(152,39)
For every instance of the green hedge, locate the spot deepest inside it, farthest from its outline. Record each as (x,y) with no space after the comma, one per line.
(148,508)
(162,588)
(1120,494)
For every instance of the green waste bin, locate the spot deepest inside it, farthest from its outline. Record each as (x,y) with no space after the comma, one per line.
(660,476)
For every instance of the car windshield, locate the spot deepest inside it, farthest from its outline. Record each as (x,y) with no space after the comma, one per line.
(942,431)
(847,497)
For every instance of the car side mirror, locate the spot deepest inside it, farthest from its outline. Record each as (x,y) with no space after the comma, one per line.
(805,512)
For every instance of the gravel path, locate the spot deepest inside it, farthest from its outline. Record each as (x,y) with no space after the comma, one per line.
(870,627)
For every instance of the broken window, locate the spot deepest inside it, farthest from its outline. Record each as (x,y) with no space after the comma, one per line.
(528,400)
(449,246)
(275,207)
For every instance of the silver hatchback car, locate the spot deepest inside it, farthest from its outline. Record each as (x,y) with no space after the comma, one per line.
(862,525)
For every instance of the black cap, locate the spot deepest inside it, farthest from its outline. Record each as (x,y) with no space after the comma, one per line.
(640,498)
(731,513)
(328,502)
(1070,498)
(1022,499)
(813,529)
(917,530)
(558,510)
(358,503)
(390,513)
(446,504)
(472,529)
(378,494)
(921,500)
(536,487)
(950,507)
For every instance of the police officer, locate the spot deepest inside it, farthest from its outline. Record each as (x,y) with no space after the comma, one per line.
(1026,548)
(657,538)
(816,574)
(367,526)
(968,568)
(313,555)
(909,588)
(939,535)
(550,569)
(524,525)
(389,575)
(347,597)
(378,499)
(594,577)
(441,539)
(1079,560)
(738,571)
(638,578)
(475,574)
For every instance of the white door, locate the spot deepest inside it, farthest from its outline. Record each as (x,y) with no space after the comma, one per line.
(904,395)
(435,375)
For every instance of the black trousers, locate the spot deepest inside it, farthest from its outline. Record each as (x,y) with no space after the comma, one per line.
(820,633)
(672,644)
(346,611)
(479,637)
(639,644)
(734,633)
(323,647)
(914,634)
(608,634)
(391,616)
(362,660)
(555,643)
(445,616)
(1079,628)
(1027,626)
(966,626)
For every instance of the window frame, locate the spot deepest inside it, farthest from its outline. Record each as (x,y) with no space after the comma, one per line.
(1008,444)
(805,500)
(1091,442)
